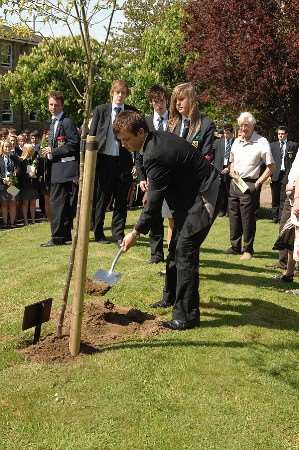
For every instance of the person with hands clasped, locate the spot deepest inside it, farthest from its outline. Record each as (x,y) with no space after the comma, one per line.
(9,171)
(63,151)
(248,153)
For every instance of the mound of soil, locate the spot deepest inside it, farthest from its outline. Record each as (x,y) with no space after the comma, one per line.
(103,323)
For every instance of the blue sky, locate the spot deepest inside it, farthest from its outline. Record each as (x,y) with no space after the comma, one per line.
(98,31)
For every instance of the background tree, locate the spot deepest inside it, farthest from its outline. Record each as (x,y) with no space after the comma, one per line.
(246,55)
(55,64)
(148,49)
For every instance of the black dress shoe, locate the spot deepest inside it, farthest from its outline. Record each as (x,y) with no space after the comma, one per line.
(284,278)
(102,240)
(51,243)
(232,251)
(180,324)
(161,304)
(155,260)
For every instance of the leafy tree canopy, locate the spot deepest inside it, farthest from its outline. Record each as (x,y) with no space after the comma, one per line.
(246,54)
(55,64)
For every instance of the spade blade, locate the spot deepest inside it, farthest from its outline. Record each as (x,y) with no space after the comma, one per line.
(110,278)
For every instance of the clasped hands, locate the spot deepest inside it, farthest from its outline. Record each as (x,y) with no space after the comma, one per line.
(46,151)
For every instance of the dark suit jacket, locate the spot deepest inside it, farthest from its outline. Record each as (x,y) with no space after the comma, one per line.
(99,127)
(202,138)
(178,172)
(13,166)
(218,148)
(63,171)
(290,154)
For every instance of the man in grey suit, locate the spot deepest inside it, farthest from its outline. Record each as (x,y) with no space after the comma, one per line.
(113,175)
(284,152)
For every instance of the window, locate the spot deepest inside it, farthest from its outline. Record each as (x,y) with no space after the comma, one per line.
(33,116)
(5,55)
(6,112)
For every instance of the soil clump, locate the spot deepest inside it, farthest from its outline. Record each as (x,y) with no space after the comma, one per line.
(103,324)
(95,287)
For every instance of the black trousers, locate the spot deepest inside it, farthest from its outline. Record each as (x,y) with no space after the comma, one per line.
(182,271)
(63,203)
(225,187)
(110,181)
(242,219)
(285,215)
(278,196)
(156,237)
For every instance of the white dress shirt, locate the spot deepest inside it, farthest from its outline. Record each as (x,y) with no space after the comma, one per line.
(156,120)
(112,145)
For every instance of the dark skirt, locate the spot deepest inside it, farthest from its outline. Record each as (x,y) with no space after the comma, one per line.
(286,237)
(30,193)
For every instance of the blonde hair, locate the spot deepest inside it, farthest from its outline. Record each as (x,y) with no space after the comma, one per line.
(7,142)
(119,84)
(184,90)
(27,151)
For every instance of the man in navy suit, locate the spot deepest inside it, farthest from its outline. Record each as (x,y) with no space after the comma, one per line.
(113,176)
(63,152)
(190,185)
(284,152)
(222,149)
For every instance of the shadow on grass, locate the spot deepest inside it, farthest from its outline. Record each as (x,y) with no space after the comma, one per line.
(264,255)
(249,311)
(225,265)
(257,281)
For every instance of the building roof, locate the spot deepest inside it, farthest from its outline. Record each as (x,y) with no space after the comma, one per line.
(9,34)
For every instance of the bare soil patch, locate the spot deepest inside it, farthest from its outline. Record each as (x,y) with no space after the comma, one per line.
(103,323)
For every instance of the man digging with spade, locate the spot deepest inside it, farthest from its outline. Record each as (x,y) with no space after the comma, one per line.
(177,172)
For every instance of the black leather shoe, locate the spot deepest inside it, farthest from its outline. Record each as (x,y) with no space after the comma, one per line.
(180,324)
(284,278)
(155,260)
(161,304)
(51,243)
(102,240)
(232,251)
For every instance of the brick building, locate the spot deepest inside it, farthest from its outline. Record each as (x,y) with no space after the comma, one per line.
(11,48)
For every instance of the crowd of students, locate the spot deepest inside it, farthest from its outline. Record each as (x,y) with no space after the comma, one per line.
(24,176)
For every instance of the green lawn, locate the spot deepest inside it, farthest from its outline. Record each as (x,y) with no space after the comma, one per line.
(231,384)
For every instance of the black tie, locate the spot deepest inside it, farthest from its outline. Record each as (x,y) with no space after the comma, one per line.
(281,148)
(117,110)
(228,146)
(51,132)
(160,124)
(186,128)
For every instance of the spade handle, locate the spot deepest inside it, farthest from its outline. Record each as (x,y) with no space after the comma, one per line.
(120,251)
